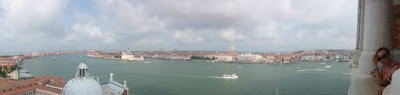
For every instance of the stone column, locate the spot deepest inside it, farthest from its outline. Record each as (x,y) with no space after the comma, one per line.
(377,31)
(360,20)
(374,29)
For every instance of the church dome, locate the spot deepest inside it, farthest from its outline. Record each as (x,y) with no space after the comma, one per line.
(82,84)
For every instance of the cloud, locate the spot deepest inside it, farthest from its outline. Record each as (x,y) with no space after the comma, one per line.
(32,19)
(149,42)
(231,35)
(186,38)
(271,25)
(124,17)
(80,32)
(31,25)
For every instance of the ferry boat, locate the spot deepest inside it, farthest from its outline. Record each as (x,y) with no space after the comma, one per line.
(227,76)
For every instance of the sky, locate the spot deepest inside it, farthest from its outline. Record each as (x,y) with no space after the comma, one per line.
(201,25)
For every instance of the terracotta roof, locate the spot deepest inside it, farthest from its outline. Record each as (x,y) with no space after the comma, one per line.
(5,80)
(13,87)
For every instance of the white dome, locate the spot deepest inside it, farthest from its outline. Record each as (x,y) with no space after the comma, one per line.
(82,86)
(82,66)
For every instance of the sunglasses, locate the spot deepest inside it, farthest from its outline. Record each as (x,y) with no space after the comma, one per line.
(380,58)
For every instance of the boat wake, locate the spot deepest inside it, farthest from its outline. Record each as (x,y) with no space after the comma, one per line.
(310,70)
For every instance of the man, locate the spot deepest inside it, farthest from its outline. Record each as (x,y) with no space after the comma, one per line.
(383,77)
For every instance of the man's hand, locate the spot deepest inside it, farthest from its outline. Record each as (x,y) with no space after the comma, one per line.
(374,60)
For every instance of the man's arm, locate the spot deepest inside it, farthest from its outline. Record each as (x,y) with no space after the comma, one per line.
(378,76)
(381,81)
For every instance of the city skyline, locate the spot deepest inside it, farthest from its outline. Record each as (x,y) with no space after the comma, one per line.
(254,25)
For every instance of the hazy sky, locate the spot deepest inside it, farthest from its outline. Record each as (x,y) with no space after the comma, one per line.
(254,25)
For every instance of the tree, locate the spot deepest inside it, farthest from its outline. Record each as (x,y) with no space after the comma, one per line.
(1,70)
(12,68)
(5,68)
(4,74)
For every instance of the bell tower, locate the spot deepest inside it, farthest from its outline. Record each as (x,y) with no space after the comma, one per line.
(232,50)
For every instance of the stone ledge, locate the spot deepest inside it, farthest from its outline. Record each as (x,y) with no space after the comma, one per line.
(362,84)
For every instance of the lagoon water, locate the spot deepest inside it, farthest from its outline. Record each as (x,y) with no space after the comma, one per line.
(175,77)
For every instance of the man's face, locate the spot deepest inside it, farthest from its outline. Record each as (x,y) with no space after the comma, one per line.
(383,57)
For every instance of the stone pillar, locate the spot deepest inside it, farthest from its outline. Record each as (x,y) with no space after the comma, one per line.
(360,27)
(374,29)
(377,31)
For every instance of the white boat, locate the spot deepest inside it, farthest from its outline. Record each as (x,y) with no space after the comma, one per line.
(327,66)
(227,76)
(54,58)
(147,62)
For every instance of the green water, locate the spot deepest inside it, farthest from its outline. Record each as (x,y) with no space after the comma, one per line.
(174,77)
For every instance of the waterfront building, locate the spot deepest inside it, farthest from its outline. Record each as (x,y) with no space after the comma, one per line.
(339,57)
(286,59)
(20,74)
(180,57)
(293,59)
(261,60)
(224,59)
(269,59)
(278,59)
(93,53)
(131,57)
(35,54)
(248,58)
(311,57)
(321,57)
(346,57)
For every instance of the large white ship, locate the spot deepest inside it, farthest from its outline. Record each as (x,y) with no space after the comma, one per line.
(227,76)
